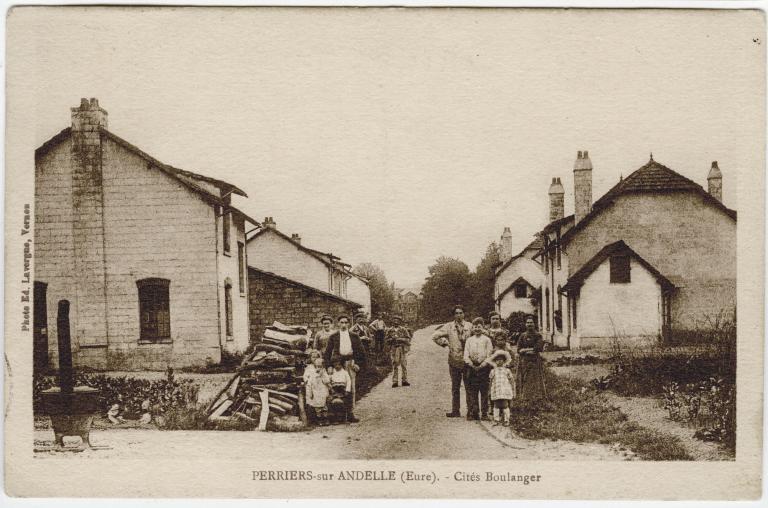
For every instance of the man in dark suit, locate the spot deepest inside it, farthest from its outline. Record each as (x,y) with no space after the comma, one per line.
(348,346)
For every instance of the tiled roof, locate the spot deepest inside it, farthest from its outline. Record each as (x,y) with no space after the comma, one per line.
(578,278)
(519,280)
(653,177)
(537,244)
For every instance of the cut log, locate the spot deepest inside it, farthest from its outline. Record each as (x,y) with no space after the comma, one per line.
(277,348)
(291,396)
(215,400)
(220,409)
(264,416)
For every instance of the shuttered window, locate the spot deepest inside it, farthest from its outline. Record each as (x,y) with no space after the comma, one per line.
(620,270)
(154,310)
(228,309)
(226,230)
(241,266)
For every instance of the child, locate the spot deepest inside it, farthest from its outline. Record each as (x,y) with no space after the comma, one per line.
(477,349)
(317,385)
(502,385)
(341,387)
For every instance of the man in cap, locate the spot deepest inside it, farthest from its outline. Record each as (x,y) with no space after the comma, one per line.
(379,328)
(363,331)
(453,335)
(399,340)
(349,348)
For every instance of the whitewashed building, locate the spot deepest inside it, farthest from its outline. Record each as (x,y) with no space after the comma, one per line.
(151,258)
(517,277)
(656,254)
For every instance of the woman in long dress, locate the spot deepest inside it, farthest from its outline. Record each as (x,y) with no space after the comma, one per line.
(530,368)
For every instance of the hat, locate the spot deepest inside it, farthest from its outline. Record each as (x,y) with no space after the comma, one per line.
(498,353)
(494,313)
(342,316)
(359,314)
(397,316)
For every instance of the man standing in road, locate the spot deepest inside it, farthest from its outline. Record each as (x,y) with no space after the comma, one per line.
(453,335)
(346,346)
(379,330)
(399,340)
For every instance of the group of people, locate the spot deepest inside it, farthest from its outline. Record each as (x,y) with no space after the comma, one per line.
(346,350)
(493,368)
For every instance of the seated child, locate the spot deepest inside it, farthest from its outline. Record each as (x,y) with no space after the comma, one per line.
(317,385)
(341,389)
(502,385)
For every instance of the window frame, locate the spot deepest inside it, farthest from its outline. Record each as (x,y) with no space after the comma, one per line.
(242,283)
(517,287)
(226,232)
(229,322)
(152,287)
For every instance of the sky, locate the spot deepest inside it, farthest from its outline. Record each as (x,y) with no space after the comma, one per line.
(397,136)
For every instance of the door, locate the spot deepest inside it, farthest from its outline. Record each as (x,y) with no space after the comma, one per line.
(40,326)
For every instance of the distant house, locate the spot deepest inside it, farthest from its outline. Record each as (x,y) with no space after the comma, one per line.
(408,304)
(151,258)
(275,255)
(517,277)
(655,254)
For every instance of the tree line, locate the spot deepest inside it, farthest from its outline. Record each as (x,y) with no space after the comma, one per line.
(450,283)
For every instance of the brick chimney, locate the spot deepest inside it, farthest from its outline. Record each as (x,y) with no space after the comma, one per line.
(556,200)
(582,186)
(270,223)
(715,181)
(296,238)
(506,245)
(88,228)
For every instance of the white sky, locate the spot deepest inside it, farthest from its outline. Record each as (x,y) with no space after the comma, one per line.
(396,136)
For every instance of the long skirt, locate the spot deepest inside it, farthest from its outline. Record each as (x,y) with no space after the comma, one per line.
(530,378)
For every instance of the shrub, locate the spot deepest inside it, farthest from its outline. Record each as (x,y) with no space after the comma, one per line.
(709,405)
(163,394)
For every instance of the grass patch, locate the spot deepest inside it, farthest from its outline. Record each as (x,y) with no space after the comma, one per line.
(577,413)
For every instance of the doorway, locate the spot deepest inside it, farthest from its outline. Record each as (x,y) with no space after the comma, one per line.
(40,326)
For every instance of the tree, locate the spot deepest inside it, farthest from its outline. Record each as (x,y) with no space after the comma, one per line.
(382,296)
(446,286)
(482,282)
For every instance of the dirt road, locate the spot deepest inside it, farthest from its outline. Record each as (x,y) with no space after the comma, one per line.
(395,423)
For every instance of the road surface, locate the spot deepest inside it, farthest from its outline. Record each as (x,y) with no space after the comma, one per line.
(395,423)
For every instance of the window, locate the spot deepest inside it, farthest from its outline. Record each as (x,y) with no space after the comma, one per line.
(620,270)
(557,247)
(521,291)
(154,310)
(226,231)
(575,308)
(241,266)
(547,304)
(228,307)
(559,312)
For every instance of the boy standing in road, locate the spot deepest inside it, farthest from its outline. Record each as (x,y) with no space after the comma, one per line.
(477,349)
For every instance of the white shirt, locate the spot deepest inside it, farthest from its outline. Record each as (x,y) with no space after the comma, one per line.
(345,343)
(341,376)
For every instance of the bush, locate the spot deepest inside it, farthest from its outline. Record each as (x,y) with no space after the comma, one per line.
(646,371)
(709,405)
(163,394)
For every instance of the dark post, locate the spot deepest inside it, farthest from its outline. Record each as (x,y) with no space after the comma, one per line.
(66,377)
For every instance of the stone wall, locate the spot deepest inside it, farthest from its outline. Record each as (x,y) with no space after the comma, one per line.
(275,298)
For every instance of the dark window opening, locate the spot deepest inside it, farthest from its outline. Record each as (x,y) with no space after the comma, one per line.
(154,310)
(521,291)
(241,266)
(228,308)
(559,312)
(547,304)
(226,231)
(619,269)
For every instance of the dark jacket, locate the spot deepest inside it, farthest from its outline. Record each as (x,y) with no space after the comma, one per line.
(358,353)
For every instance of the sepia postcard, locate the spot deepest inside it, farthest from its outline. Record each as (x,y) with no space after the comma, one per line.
(481,253)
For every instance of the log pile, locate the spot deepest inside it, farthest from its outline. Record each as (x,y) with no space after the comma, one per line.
(269,377)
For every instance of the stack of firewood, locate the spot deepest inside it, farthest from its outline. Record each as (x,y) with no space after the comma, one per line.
(269,377)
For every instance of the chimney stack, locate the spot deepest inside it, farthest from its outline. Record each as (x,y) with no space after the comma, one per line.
(582,186)
(296,238)
(556,200)
(715,181)
(506,245)
(269,223)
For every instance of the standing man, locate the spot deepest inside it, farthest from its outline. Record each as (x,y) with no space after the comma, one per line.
(349,348)
(453,335)
(363,331)
(379,329)
(399,340)
(477,350)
